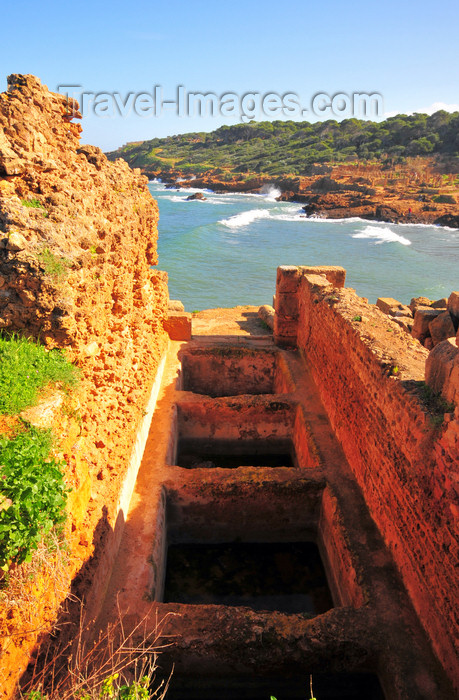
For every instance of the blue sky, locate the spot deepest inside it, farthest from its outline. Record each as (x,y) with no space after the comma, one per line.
(405,51)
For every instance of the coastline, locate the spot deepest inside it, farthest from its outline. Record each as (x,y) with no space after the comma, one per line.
(338,193)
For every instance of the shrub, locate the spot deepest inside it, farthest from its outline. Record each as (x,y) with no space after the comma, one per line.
(444,199)
(32,494)
(116,665)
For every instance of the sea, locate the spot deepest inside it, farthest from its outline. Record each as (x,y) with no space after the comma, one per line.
(224,251)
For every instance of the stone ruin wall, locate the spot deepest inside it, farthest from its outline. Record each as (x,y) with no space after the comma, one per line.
(75,272)
(369,374)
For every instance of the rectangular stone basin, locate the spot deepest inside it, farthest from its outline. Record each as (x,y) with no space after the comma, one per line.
(241,431)
(285,576)
(326,686)
(200,453)
(232,371)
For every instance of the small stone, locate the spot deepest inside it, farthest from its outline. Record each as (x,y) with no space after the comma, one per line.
(16,242)
(92,349)
(266,313)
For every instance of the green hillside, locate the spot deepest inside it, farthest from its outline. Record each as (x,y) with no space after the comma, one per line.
(282,147)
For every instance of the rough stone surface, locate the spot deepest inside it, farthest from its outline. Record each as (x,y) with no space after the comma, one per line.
(442,328)
(422,319)
(175,305)
(442,370)
(76,272)
(391,307)
(266,313)
(440,303)
(178,325)
(335,274)
(405,322)
(416,302)
(404,462)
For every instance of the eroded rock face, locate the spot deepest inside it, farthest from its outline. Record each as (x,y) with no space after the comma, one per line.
(77,242)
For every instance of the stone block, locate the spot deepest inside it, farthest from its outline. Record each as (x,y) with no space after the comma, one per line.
(288,279)
(442,328)
(440,303)
(178,325)
(285,327)
(392,307)
(405,322)
(287,304)
(422,318)
(175,305)
(335,274)
(442,370)
(320,282)
(416,302)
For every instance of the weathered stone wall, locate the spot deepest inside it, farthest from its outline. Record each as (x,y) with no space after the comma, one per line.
(75,271)
(370,375)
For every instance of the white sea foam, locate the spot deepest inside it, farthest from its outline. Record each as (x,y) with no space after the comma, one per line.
(381,235)
(270,192)
(244,218)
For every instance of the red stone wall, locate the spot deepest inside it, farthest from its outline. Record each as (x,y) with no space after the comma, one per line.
(76,272)
(369,374)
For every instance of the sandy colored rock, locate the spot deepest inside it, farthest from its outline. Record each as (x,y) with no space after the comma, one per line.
(417,302)
(405,322)
(175,305)
(335,274)
(16,242)
(266,313)
(391,306)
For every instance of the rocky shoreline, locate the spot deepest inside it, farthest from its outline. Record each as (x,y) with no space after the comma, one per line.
(402,195)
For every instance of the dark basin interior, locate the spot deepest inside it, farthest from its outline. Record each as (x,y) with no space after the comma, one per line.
(194,453)
(326,686)
(287,576)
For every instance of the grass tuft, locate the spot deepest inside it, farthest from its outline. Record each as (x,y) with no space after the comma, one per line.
(33,203)
(53,265)
(25,368)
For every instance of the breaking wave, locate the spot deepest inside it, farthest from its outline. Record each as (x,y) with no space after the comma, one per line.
(245,218)
(381,235)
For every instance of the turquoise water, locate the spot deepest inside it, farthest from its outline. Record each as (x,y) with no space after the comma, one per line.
(224,251)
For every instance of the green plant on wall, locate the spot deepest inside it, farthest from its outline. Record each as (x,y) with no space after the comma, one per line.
(26,367)
(32,489)
(54,265)
(33,494)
